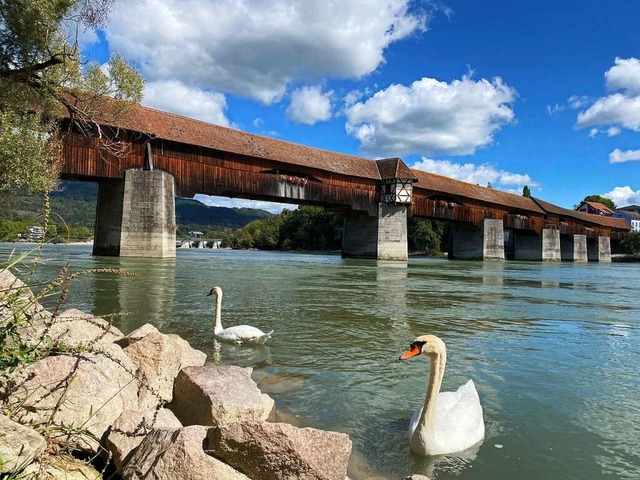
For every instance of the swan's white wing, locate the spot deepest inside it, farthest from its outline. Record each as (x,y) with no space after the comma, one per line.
(414,422)
(242,334)
(459,421)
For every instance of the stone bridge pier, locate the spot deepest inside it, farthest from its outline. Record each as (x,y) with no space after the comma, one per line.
(383,237)
(469,242)
(135,216)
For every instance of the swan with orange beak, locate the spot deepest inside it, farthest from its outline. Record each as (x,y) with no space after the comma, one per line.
(448,422)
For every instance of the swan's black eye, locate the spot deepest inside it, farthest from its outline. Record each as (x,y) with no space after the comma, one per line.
(417,345)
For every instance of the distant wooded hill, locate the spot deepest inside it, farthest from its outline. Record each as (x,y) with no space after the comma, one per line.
(75,203)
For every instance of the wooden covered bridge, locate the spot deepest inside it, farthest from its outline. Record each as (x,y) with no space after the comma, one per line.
(143,157)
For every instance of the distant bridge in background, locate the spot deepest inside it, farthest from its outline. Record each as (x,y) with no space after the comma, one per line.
(155,155)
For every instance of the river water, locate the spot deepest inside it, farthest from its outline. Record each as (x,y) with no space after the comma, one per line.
(553,348)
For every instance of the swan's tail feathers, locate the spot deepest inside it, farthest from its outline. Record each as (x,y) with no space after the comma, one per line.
(265,337)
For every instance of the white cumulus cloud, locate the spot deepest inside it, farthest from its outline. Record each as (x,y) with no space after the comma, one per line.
(175,97)
(618,156)
(310,105)
(622,196)
(624,75)
(257,48)
(621,108)
(477,174)
(432,117)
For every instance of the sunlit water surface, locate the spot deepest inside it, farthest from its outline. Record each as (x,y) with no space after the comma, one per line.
(553,348)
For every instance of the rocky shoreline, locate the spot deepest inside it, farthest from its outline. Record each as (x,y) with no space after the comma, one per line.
(142,406)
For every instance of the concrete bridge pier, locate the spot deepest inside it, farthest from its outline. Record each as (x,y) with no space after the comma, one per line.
(573,248)
(530,246)
(599,249)
(383,237)
(135,216)
(469,242)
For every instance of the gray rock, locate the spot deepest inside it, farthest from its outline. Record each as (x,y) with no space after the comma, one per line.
(85,391)
(279,451)
(130,428)
(173,454)
(216,394)
(19,445)
(159,358)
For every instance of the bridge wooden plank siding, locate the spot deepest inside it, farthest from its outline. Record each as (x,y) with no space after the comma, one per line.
(214,160)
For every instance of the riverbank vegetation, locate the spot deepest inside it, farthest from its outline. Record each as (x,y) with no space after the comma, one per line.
(318,229)
(73,213)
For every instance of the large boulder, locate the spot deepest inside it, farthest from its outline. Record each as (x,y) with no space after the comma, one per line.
(84,392)
(132,426)
(216,394)
(179,453)
(19,445)
(279,451)
(159,358)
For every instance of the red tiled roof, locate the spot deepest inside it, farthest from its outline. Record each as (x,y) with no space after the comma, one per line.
(457,188)
(169,126)
(603,220)
(394,168)
(177,128)
(598,206)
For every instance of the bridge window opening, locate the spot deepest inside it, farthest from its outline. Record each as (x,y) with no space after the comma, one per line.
(396,191)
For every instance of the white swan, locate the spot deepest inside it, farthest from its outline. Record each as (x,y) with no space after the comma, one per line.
(448,422)
(239,333)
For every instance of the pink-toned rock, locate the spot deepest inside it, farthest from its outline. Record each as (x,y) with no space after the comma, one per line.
(86,391)
(15,296)
(132,426)
(177,454)
(60,468)
(75,328)
(216,394)
(279,451)
(19,445)
(159,358)
(137,334)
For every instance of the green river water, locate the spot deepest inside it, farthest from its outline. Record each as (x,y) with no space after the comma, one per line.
(552,348)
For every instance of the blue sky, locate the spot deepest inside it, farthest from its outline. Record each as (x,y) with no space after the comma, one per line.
(512,93)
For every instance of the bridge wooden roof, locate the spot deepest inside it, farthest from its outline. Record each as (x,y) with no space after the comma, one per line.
(461,189)
(394,168)
(177,128)
(602,220)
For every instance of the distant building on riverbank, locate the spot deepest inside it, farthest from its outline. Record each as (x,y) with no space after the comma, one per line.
(631,214)
(35,233)
(594,208)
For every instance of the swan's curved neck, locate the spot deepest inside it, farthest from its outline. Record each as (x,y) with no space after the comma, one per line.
(426,425)
(217,326)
